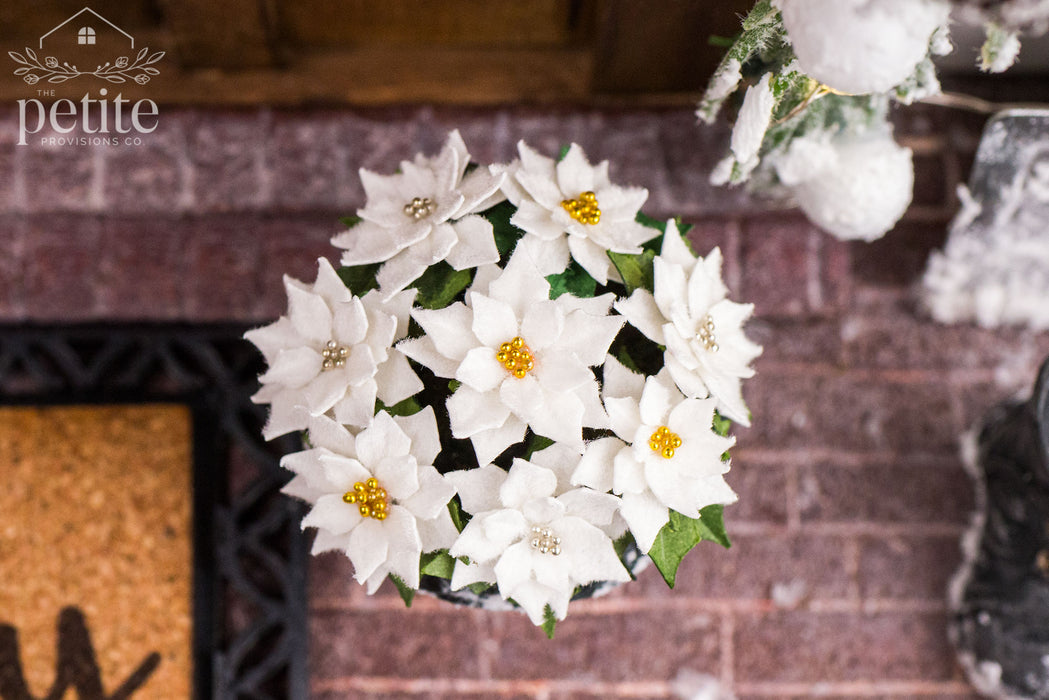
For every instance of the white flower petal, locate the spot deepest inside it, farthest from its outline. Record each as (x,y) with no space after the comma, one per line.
(465,574)
(574,174)
(504,526)
(595,469)
(480,190)
(432,496)
(481,371)
(520,285)
(643,314)
(526,482)
(324,432)
(478,488)
(367,548)
(471,412)
(621,204)
(448,329)
(421,429)
(308,312)
(423,351)
(494,321)
(514,567)
(324,391)
(687,380)
(437,533)
(273,338)
(357,407)
(324,541)
(561,372)
(591,506)
(535,220)
(592,257)
(646,516)
(549,257)
(593,556)
(293,367)
(624,416)
(628,473)
(383,438)
(542,511)
(285,416)
(341,472)
(561,459)
(588,336)
(489,444)
(396,380)
(621,382)
(476,244)
(331,514)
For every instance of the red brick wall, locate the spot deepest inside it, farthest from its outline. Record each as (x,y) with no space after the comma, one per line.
(849,480)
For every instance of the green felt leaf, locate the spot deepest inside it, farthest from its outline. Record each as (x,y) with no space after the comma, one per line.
(359,279)
(506,234)
(681,534)
(563,152)
(408,407)
(439,564)
(350,221)
(407,593)
(636,270)
(480,587)
(549,622)
(651,222)
(440,284)
(535,444)
(574,280)
(721,424)
(456,511)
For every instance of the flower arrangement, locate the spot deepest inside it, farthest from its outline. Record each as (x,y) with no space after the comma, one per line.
(514,386)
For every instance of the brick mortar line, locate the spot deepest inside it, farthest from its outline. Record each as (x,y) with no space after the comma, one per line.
(535,687)
(630,605)
(951,376)
(873,688)
(841,458)
(844,528)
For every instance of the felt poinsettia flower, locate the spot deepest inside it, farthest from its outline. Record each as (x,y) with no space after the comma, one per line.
(333,352)
(375,496)
(570,210)
(522,359)
(534,535)
(707,353)
(422,215)
(665,456)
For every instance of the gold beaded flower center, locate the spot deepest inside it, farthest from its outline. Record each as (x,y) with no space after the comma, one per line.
(334,355)
(370,497)
(516,357)
(585,209)
(544,540)
(707,334)
(664,442)
(419,208)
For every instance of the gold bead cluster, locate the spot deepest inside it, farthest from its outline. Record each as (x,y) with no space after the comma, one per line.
(707,334)
(334,355)
(584,210)
(544,539)
(516,357)
(419,208)
(664,442)
(371,497)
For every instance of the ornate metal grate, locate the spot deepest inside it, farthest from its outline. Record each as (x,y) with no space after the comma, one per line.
(249,553)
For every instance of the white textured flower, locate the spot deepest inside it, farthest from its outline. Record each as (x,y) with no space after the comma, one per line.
(571,209)
(707,353)
(422,215)
(534,535)
(523,360)
(861,46)
(376,495)
(666,456)
(855,186)
(333,352)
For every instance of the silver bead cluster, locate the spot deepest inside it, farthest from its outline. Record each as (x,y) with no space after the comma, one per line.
(545,541)
(419,208)
(334,355)
(707,335)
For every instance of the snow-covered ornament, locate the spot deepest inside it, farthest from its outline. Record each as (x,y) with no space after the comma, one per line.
(861,46)
(855,186)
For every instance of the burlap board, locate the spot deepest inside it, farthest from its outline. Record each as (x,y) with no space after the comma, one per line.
(96,552)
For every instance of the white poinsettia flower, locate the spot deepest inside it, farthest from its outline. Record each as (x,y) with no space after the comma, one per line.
(707,353)
(523,360)
(376,495)
(533,535)
(333,352)
(570,209)
(422,215)
(666,456)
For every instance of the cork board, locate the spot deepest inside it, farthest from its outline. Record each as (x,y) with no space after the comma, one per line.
(96,552)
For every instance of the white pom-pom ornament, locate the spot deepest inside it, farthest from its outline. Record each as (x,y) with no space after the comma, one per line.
(861,46)
(853,186)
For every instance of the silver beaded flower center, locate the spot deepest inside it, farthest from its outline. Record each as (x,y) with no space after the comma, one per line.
(707,334)
(544,539)
(419,208)
(334,355)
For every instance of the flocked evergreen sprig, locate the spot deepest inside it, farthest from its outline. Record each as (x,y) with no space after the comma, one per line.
(516,384)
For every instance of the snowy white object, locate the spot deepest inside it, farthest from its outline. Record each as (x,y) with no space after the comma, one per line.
(994,269)
(855,186)
(689,312)
(666,454)
(422,215)
(375,496)
(533,535)
(861,46)
(331,352)
(752,123)
(570,209)
(548,385)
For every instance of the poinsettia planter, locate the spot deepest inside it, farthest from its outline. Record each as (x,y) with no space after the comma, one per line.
(514,387)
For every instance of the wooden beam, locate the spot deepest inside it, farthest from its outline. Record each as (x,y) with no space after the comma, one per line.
(228,34)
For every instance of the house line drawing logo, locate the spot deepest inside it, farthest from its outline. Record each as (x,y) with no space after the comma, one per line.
(51,69)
